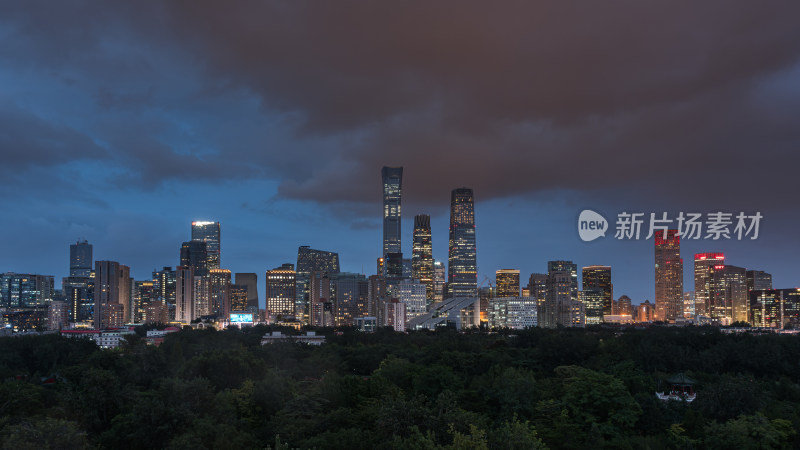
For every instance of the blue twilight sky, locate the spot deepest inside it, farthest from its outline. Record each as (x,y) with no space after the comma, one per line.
(122,123)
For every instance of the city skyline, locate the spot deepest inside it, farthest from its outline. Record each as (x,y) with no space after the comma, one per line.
(537,267)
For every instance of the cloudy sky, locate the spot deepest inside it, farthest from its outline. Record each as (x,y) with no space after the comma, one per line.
(122,123)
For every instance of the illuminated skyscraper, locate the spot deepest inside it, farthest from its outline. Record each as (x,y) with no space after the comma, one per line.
(80,259)
(775,308)
(219,292)
(669,276)
(143,294)
(164,286)
(208,232)
(728,295)
(537,286)
(688,304)
(422,253)
(239,297)
(598,279)
(392,195)
(281,293)
(703,264)
(310,260)
(462,275)
(506,283)
(112,294)
(592,300)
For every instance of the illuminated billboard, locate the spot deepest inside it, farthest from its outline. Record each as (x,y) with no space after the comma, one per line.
(241,317)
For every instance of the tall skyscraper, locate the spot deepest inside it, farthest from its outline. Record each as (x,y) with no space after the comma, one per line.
(143,294)
(195,254)
(561,305)
(310,260)
(208,232)
(377,297)
(351,297)
(320,299)
(219,292)
(184,295)
(598,278)
(572,269)
(728,295)
(507,283)
(537,286)
(462,275)
(80,259)
(703,265)
(422,253)
(669,276)
(392,195)
(112,294)
(281,292)
(164,286)
(79,294)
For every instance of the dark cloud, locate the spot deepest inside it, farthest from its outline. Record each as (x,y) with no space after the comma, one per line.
(28,141)
(521,97)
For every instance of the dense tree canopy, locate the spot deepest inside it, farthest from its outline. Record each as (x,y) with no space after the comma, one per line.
(424,390)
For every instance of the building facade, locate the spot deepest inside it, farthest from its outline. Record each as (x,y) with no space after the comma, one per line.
(219,290)
(392,180)
(462,269)
(703,265)
(209,232)
(112,294)
(506,282)
(310,260)
(597,280)
(669,276)
(80,259)
(422,254)
(281,292)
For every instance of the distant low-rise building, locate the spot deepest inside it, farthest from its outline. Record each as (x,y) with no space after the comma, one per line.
(110,338)
(310,338)
(513,312)
(366,324)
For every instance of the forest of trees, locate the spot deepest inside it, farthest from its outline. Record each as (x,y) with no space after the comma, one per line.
(538,388)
